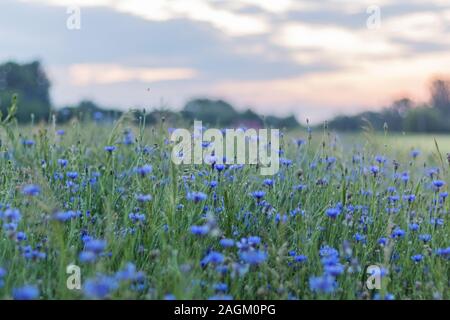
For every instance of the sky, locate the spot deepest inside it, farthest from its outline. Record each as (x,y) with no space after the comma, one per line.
(311,58)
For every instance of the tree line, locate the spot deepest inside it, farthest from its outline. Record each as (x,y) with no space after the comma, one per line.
(30,84)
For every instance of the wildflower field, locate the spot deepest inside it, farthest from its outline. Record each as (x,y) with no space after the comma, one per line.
(108,199)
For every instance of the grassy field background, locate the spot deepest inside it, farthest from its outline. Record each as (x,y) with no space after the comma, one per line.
(108,199)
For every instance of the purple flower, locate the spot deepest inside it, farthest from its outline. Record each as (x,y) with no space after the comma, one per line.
(300,258)
(144,170)
(63,162)
(425,237)
(415,153)
(254,257)
(72,175)
(110,148)
(322,284)
(196,196)
(27,292)
(438,184)
(63,216)
(258,195)
(143,197)
(398,233)
(226,243)
(31,190)
(383,241)
(213,257)
(137,217)
(200,230)
(333,212)
(100,287)
(87,256)
(219,167)
(95,245)
(11,215)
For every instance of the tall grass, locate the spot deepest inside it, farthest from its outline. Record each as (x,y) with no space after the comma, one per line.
(311,235)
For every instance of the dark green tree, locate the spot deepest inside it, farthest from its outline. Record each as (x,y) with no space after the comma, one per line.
(31,85)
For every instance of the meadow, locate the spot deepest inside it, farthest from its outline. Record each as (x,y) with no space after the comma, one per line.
(108,199)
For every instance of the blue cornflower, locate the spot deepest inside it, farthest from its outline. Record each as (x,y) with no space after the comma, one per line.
(170,297)
(95,245)
(285,162)
(300,187)
(144,170)
(11,215)
(393,198)
(383,241)
(300,258)
(409,197)
(258,195)
(64,216)
(219,167)
(31,190)
(221,287)
(60,132)
(268,182)
(21,236)
(438,184)
(137,217)
(100,287)
(380,159)
(226,243)
(414,227)
(425,237)
(196,196)
(129,273)
(443,252)
(333,212)
(213,257)
(334,269)
(27,292)
(417,258)
(253,257)
(2,275)
(213,184)
(200,230)
(110,148)
(415,153)
(388,296)
(143,197)
(72,175)
(437,222)
(63,162)
(405,177)
(327,252)
(87,256)
(322,284)
(221,297)
(391,189)
(398,233)
(254,240)
(359,238)
(28,142)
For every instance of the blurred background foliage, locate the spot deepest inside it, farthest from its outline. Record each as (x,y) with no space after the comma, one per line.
(31,85)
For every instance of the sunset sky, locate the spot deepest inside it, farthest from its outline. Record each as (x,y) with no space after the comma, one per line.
(312,58)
